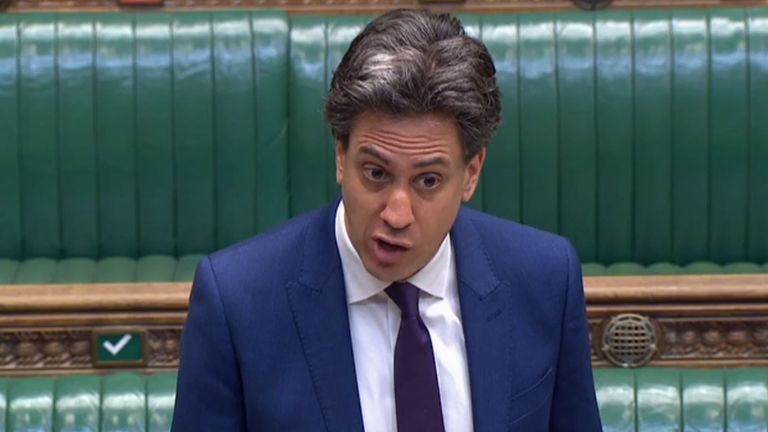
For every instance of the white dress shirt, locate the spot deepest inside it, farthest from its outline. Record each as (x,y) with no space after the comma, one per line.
(374,321)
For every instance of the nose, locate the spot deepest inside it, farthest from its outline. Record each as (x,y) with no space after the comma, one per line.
(398,213)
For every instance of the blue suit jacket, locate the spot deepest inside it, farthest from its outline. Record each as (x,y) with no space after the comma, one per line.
(266,346)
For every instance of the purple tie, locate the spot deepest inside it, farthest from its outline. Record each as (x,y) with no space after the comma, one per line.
(417,394)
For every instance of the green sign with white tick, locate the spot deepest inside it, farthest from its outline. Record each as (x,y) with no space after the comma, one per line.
(118,348)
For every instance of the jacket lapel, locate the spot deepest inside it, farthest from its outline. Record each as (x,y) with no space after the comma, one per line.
(319,306)
(493,351)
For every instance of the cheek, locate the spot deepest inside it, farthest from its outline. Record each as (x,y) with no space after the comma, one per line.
(361,209)
(438,215)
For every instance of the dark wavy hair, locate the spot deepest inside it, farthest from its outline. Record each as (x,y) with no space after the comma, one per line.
(417,62)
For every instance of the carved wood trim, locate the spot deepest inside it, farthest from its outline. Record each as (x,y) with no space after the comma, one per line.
(25,350)
(703,321)
(47,329)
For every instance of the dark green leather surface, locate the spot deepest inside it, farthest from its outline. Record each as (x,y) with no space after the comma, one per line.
(163,268)
(618,131)
(120,402)
(600,117)
(316,46)
(729,95)
(665,268)
(757,42)
(151,268)
(638,135)
(140,134)
(732,400)
(683,399)
(10,169)
(78,403)
(657,398)
(690,158)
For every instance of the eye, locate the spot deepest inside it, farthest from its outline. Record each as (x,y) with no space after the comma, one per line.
(374,173)
(429,181)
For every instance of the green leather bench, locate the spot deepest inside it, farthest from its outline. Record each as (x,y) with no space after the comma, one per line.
(638,135)
(641,400)
(133,143)
(118,402)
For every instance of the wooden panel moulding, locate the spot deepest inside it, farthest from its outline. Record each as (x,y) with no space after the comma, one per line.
(94,297)
(31,351)
(713,320)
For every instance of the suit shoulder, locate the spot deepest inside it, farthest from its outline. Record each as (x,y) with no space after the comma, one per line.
(512,234)
(268,251)
(511,244)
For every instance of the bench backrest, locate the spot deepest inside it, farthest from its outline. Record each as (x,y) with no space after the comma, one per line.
(137,134)
(638,135)
(629,399)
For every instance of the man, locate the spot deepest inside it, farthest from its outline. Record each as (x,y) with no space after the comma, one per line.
(394,309)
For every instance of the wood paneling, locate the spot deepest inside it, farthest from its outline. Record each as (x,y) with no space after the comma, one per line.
(702,321)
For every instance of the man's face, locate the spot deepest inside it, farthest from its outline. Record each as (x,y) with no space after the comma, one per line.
(403,180)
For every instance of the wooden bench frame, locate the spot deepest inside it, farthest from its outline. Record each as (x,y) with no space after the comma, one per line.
(702,321)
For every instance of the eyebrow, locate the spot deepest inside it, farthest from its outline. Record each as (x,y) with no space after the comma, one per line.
(433,160)
(375,153)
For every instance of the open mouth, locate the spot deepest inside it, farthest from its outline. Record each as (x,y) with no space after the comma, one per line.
(390,247)
(390,252)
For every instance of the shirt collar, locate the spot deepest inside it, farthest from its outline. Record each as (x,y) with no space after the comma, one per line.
(360,285)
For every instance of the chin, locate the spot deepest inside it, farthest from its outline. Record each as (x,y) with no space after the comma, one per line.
(388,275)
(395,275)
(385,276)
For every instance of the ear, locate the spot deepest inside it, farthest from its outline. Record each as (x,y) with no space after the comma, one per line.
(472,175)
(341,154)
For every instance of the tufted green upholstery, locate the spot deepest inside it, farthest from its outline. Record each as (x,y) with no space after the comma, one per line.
(150,268)
(164,268)
(732,400)
(638,135)
(682,399)
(666,268)
(139,134)
(112,403)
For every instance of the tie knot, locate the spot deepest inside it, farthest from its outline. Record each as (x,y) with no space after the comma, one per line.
(406,297)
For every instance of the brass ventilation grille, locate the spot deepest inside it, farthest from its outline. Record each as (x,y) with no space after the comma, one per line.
(629,340)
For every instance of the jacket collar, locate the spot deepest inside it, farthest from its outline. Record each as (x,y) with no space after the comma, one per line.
(489,328)
(318,303)
(319,307)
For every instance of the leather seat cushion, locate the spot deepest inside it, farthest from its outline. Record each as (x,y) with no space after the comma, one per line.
(151,268)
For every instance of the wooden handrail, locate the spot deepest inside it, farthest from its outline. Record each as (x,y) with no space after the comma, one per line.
(76,298)
(703,320)
(174,296)
(676,289)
